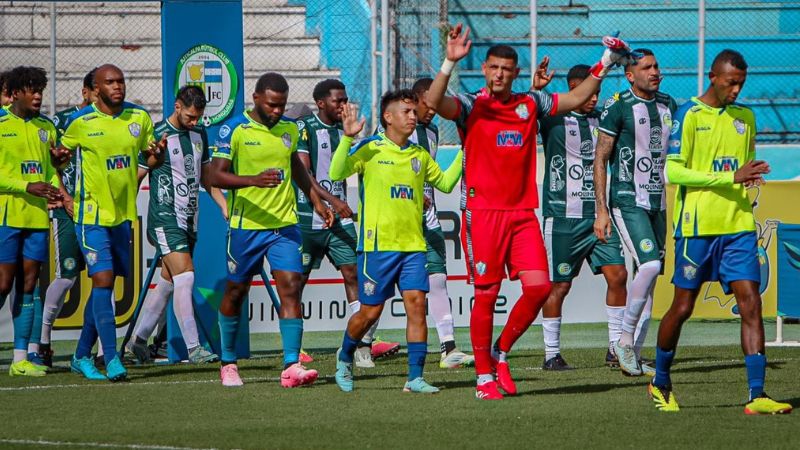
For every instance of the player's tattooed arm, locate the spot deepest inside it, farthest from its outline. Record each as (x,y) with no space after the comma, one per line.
(458,45)
(602,222)
(302,177)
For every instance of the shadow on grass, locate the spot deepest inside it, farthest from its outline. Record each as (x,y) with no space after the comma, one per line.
(722,366)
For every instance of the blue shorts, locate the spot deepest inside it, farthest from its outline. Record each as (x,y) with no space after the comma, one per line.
(726,258)
(31,242)
(106,248)
(247,249)
(379,272)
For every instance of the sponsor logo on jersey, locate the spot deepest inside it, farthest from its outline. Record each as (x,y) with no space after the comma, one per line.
(402,191)
(369,288)
(252,143)
(676,125)
(118,162)
(300,125)
(587,148)
(31,168)
(625,157)
(646,245)
(689,272)
(43,135)
(522,111)
(96,134)
(739,125)
(703,128)
(135,129)
(610,102)
(726,164)
(575,171)
(480,268)
(415,165)
(564,269)
(224,131)
(557,165)
(655,138)
(509,138)
(386,162)
(287,140)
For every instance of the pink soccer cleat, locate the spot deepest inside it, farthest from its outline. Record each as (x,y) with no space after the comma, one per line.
(297,375)
(381,348)
(305,358)
(488,391)
(504,379)
(229,374)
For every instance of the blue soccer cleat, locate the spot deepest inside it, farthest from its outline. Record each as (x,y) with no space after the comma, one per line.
(419,386)
(115,371)
(344,374)
(85,367)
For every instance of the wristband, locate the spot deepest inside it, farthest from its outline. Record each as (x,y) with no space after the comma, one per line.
(447,67)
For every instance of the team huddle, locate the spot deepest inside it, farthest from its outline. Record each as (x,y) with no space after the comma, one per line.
(286,202)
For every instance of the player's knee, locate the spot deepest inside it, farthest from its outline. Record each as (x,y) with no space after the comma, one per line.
(749,305)
(616,277)
(560,290)
(650,269)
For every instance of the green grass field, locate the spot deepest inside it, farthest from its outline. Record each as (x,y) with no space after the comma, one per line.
(183,406)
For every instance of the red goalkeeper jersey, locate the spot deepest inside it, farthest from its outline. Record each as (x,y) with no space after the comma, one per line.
(499,140)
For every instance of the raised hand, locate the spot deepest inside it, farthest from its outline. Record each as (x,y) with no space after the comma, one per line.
(458,44)
(541,78)
(350,122)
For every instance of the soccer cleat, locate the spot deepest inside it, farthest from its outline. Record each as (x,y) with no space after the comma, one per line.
(37,361)
(157,351)
(488,391)
(611,359)
(344,374)
(85,366)
(47,356)
(115,371)
(199,355)
(556,363)
(381,348)
(504,379)
(137,353)
(305,358)
(628,363)
(455,359)
(663,398)
(229,374)
(99,362)
(420,386)
(25,368)
(363,358)
(648,369)
(297,375)
(763,404)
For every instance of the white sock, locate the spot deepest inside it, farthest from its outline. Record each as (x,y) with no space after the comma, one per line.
(53,302)
(551,327)
(643,326)
(637,298)
(355,306)
(184,308)
(483,379)
(370,334)
(439,307)
(153,308)
(20,355)
(615,314)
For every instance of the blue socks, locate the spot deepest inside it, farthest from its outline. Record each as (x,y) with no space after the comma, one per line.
(104,321)
(292,337)
(23,317)
(756,372)
(416,359)
(38,311)
(228,327)
(349,346)
(88,332)
(663,365)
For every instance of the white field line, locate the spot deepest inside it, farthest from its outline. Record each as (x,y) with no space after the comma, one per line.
(41,442)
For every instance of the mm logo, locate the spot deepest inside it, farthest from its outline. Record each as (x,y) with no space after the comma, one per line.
(726,164)
(118,162)
(511,138)
(402,191)
(31,168)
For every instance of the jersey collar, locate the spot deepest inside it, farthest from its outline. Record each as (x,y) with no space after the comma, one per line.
(394,144)
(640,98)
(335,126)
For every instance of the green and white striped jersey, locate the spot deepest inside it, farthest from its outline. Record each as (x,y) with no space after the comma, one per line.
(427,137)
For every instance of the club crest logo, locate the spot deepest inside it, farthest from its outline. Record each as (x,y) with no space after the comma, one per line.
(689,272)
(676,125)
(69,263)
(369,288)
(739,125)
(43,135)
(415,165)
(135,129)
(231,267)
(564,269)
(91,258)
(666,119)
(480,268)
(646,245)
(306,259)
(287,140)
(210,69)
(522,112)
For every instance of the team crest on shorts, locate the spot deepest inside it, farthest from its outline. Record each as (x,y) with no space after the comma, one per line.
(69,263)
(306,259)
(564,269)
(522,112)
(287,140)
(369,288)
(646,245)
(231,267)
(739,125)
(689,272)
(135,129)
(91,258)
(415,165)
(480,268)
(43,135)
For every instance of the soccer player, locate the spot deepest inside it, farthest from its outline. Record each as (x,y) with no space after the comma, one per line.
(711,159)
(255,156)
(26,186)
(634,130)
(392,171)
(106,137)
(319,136)
(172,222)
(568,209)
(5,97)
(426,135)
(499,193)
(69,260)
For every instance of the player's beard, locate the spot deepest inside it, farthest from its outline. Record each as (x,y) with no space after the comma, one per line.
(109,102)
(266,119)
